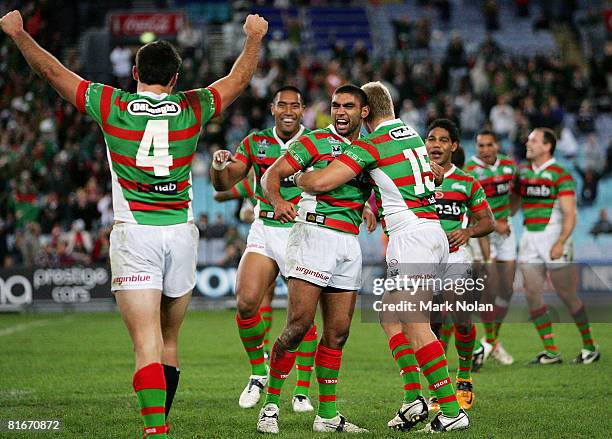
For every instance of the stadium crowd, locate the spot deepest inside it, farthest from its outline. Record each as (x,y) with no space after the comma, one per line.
(55,203)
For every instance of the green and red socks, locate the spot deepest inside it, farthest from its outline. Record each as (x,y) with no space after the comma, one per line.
(488,321)
(150,387)
(500,310)
(543,324)
(465,347)
(432,362)
(582,322)
(446,330)
(403,354)
(327,365)
(305,362)
(266,315)
(281,363)
(252,332)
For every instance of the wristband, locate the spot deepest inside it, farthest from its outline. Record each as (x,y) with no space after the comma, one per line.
(219,167)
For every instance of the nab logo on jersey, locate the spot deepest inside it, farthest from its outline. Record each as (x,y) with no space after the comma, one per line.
(141,107)
(540,191)
(402,132)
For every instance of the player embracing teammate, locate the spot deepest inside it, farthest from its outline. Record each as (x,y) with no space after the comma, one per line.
(264,257)
(396,161)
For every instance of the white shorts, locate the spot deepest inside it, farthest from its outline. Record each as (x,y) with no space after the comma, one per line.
(154,257)
(473,248)
(268,241)
(503,248)
(420,251)
(459,264)
(324,257)
(535,248)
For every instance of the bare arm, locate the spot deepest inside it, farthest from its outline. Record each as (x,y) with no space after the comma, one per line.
(231,86)
(271,181)
(226,170)
(324,180)
(567,203)
(483,224)
(64,81)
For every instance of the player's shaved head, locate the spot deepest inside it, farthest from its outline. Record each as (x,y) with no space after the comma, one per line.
(379,98)
(157,63)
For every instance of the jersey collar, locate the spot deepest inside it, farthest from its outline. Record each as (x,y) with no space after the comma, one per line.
(153,95)
(285,145)
(486,165)
(332,128)
(450,171)
(388,122)
(544,165)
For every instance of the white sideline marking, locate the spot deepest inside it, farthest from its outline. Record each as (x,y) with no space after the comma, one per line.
(25,326)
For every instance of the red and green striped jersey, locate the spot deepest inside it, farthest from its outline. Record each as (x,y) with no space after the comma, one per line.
(496,180)
(245,189)
(540,189)
(260,150)
(458,192)
(341,208)
(395,157)
(151,141)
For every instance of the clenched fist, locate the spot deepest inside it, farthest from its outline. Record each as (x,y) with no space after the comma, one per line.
(255,26)
(12,23)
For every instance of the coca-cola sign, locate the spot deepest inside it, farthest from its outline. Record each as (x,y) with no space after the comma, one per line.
(134,24)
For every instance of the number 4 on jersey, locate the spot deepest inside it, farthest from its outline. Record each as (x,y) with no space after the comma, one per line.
(156,133)
(416,156)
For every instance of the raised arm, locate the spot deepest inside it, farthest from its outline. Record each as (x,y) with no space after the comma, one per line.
(64,81)
(324,180)
(270,183)
(232,85)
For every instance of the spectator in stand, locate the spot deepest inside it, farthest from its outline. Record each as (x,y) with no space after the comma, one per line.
(590,184)
(502,119)
(203,226)
(603,225)
(490,11)
(218,229)
(121,60)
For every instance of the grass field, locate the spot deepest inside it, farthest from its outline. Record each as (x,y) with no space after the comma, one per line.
(78,368)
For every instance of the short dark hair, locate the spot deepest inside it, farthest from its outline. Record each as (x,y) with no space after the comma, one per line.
(353,90)
(288,88)
(157,62)
(487,132)
(549,137)
(448,125)
(458,157)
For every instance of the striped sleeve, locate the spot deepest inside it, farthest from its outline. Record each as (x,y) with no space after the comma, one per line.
(94,99)
(359,156)
(566,184)
(478,199)
(301,153)
(243,152)
(206,103)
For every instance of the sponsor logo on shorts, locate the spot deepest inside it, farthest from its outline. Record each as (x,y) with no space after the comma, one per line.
(313,273)
(141,107)
(131,279)
(255,245)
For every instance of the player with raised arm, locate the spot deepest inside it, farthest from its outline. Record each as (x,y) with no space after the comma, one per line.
(151,137)
(458,194)
(396,160)
(548,200)
(264,257)
(323,260)
(496,173)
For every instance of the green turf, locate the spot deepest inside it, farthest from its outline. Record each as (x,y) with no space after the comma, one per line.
(78,368)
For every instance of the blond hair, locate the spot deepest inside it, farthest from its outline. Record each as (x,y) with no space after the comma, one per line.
(379,100)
